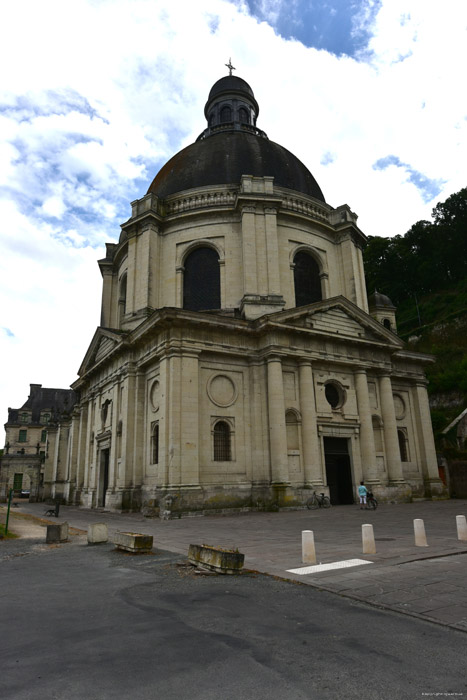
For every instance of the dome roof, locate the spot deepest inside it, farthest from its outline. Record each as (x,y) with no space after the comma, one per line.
(232,146)
(378,300)
(230,83)
(224,157)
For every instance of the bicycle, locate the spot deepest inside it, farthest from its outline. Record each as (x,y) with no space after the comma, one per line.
(371,502)
(318,501)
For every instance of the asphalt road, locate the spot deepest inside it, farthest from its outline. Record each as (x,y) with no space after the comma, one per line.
(90,623)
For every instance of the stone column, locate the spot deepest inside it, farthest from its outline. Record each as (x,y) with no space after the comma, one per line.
(391,441)
(426,440)
(250,282)
(312,463)
(367,440)
(277,429)
(272,250)
(189,407)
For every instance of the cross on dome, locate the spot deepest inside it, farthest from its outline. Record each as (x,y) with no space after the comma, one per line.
(230,66)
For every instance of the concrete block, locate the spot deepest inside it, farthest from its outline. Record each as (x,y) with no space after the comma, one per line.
(308,547)
(133,542)
(224,561)
(57,533)
(419,532)
(461,528)
(97,533)
(368,539)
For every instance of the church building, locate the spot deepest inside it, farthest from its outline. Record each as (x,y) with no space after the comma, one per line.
(238,363)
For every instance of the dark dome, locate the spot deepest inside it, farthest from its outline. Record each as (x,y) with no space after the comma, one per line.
(230,83)
(224,157)
(378,300)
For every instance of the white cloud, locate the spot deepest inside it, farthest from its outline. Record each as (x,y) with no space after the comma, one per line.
(102,92)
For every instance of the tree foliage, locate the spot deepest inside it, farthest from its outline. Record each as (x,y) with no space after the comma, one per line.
(430,256)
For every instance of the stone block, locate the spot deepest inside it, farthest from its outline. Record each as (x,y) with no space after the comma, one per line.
(58,532)
(223,561)
(133,542)
(97,533)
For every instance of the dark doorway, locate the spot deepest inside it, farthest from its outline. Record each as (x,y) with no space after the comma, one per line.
(103,477)
(338,470)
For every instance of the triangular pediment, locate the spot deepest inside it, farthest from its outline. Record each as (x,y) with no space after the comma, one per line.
(337,317)
(102,344)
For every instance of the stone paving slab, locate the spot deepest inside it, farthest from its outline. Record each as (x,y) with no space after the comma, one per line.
(428,582)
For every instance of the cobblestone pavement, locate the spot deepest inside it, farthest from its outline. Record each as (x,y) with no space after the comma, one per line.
(428,582)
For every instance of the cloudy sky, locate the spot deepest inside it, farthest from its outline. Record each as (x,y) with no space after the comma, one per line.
(96,95)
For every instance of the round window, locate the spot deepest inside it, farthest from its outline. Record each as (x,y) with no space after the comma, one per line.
(334,395)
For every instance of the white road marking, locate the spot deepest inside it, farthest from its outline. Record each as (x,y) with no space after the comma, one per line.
(328,567)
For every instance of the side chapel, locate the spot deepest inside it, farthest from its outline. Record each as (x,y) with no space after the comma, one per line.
(238,363)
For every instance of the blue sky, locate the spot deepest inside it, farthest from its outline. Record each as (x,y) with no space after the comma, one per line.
(101,93)
(342,27)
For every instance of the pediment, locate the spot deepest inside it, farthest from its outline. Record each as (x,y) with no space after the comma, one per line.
(338,317)
(102,344)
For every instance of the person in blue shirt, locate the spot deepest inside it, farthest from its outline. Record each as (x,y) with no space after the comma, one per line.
(362,492)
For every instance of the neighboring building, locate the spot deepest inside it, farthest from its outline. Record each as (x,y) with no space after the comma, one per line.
(32,437)
(237,363)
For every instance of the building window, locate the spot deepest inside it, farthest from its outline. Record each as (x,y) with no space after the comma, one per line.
(18,482)
(23,435)
(222,451)
(243,116)
(45,418)
(201,281)
(44,436)
(226,114)
(291,425)
(23,418)
(155,444)
(403,446)
(122,298)
(387,323)
(306,279)
(334,394)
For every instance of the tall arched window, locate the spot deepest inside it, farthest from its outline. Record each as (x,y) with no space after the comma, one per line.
(201,281)
(306,279)
(122,298)
(155,444)
(226,114)
(222,451)
(243,116)
(403,446)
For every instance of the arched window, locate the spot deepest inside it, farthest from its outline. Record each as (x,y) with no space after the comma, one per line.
(226,114)
(291,425)
(306,279)
(155,444)
(201,281)
(403,446)
(122,299)
(243,116)
(387,323)
(222,451)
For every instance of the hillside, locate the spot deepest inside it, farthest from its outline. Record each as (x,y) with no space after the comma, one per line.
(425,275)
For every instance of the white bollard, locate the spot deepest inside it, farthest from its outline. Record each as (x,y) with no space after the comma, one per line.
(97,533)
(461,527)
(419,530)
(368,540)
(308,547)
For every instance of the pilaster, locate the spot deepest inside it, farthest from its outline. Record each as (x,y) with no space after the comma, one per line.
(391,441)
(367,440)
(311,453)
(277,428)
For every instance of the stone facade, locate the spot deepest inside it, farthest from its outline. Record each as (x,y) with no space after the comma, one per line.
(237,364)
(34,436)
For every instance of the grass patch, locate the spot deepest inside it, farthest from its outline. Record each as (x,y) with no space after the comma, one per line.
(9,536)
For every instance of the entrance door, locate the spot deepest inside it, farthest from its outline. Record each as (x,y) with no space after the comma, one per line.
(338,470)
(103,477)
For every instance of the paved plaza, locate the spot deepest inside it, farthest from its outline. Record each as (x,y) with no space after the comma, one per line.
(427,582)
